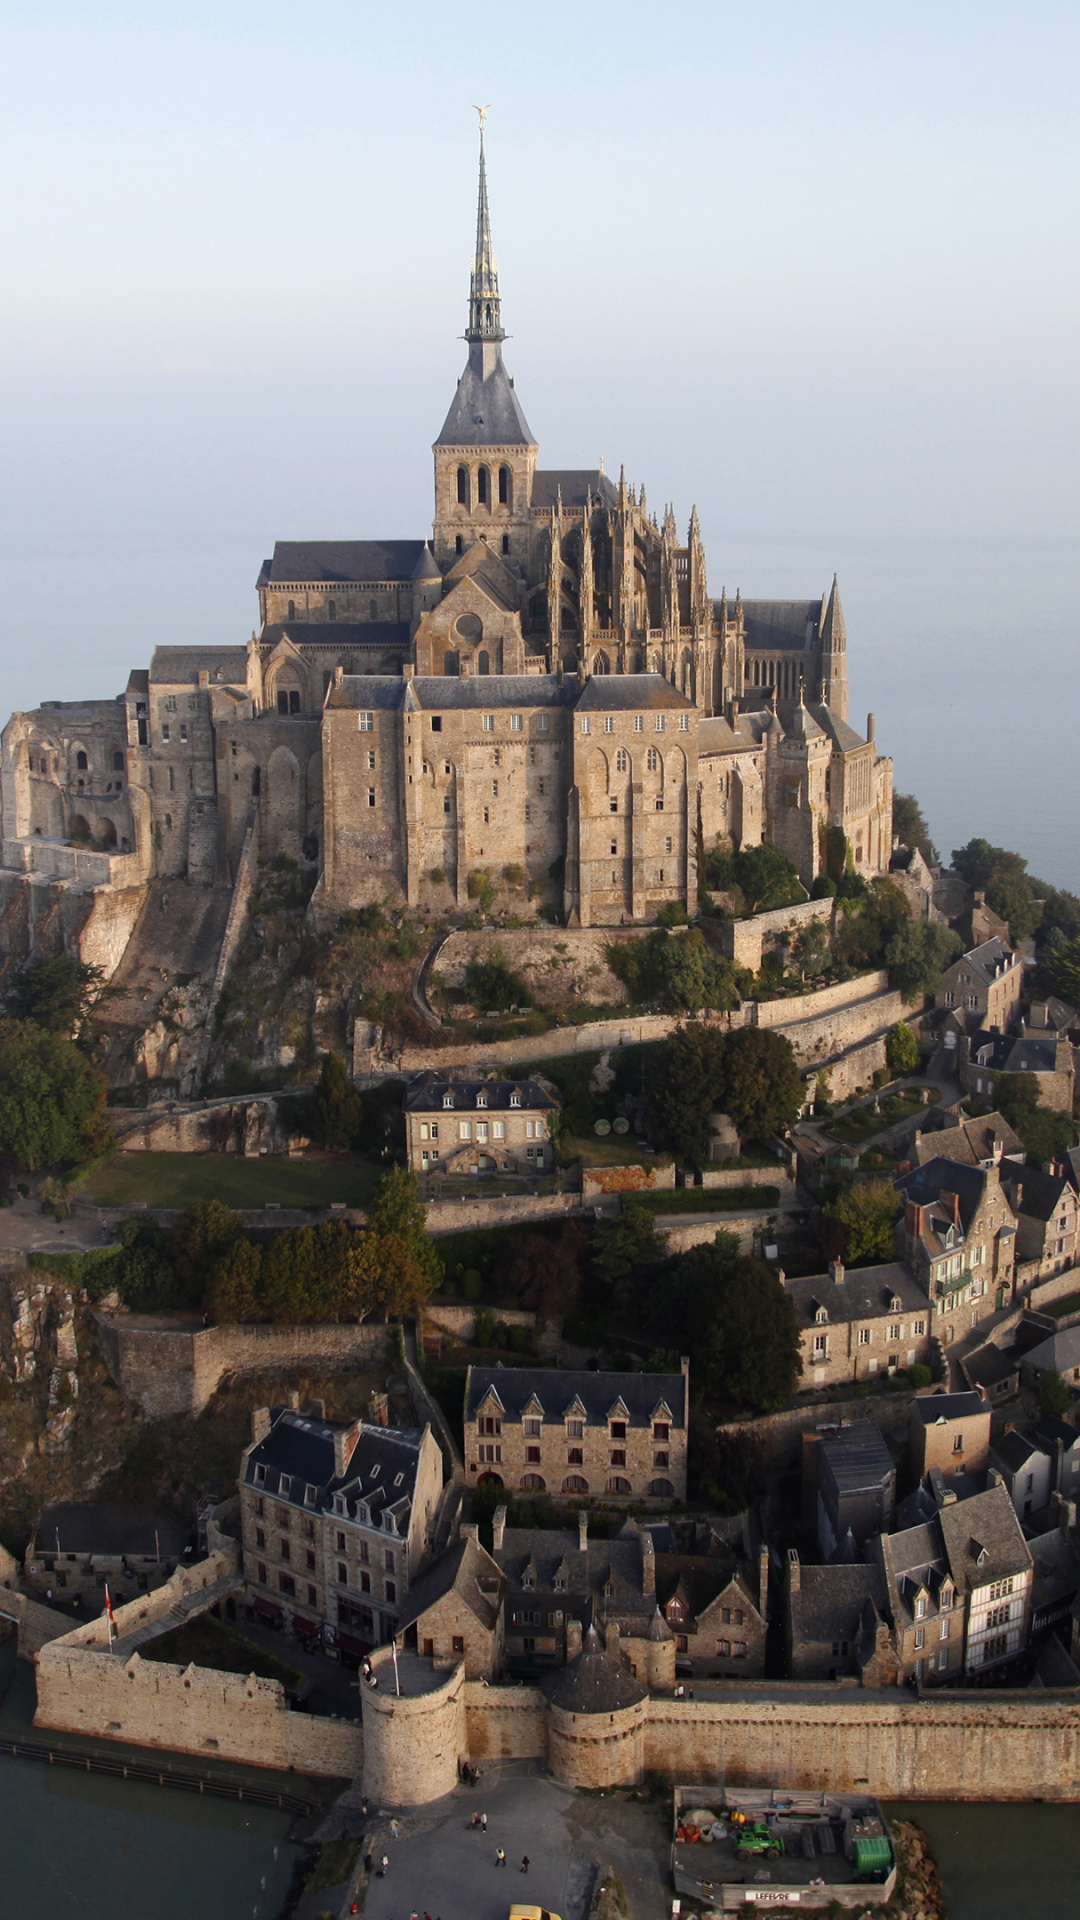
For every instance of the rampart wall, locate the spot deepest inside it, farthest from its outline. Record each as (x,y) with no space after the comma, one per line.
(780,1434)
(176,1369)
(745,941)
(453,1216)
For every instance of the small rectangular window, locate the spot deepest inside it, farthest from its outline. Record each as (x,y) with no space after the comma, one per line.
(661,722)
(609,723)
(165,735)
(371,760)
(366,722)
(543,722)
(436,723)
(684,723)
(183,730)
(371,796)
(487,722)
(639,723)
(515,723)
(585,726)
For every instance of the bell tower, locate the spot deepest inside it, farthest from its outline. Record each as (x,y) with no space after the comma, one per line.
(485,456)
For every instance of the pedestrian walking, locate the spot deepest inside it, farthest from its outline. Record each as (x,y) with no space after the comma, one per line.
(524,1863)
(381,1868)
(395,1830)
(483,1822)
(500,1857)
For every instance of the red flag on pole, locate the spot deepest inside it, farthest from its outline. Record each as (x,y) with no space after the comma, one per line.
(109,1613)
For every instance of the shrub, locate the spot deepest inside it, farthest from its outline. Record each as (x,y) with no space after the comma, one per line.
(472,1285)
(484,1332)
(437,876)
(919,1376)
(514,875)
(481,888)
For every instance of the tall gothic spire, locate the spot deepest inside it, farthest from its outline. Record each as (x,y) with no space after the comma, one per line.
(485,322)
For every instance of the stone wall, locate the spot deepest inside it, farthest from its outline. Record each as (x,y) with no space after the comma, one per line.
(680,1232)
(412,1741)
(745,941)
(561,967)
(598,1181)
(461,1321)
(176,1368)
(250,1126)
(109,926)
(453,1216)
(151,1703)
(780,1434)
(504,1723)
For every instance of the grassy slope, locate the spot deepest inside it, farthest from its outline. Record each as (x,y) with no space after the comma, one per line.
(177,1179)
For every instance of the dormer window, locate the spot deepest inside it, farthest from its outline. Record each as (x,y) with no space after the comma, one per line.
(285,1486)
(448,1099)
(674,1610)
(821,1316)
(559,1583)
(311,1494)
(946,1598)
(528,1579)
(515,1098)
(920,1607)
(260,1475)
(481,1099)
(609,1591)
(340,1507)
(895,1303)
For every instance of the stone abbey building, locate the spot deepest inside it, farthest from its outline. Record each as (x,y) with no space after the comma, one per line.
(545,685)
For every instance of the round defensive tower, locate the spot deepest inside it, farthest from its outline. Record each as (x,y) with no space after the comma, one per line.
(413,1739)
(595,1716)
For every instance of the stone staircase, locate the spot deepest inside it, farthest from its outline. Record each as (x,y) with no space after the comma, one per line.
(178,1615)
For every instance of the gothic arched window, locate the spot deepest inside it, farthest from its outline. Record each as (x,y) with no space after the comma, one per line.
(463,486)
(506,487)
(483,487)
(483,662)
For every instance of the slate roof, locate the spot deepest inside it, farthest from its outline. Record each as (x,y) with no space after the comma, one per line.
(1050,1430)
(574,484)
(985,958)
(856,1457)
(983,1539)
(629,693)
(430,1096)
(459,1570)
(86,1526)
(444,692)
(383,691)
(927,1183)
(863,1294)
(338,634)
(315,561)
(781,625)
(931,1408)
(592,1683)
(717,735)
(830,1601)
(1014,1450)
(1031,1192)
(971,1143)
(989,1366)
(181,666)
(556,1390)
(485,413)
(698,1581)
(1061,1352)
(916,1557)
(550,1561)
(298,1454)
(840,733)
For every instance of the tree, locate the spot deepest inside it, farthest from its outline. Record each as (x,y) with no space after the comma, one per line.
(1044,1132)
(761,1087)
(546,1270)
(396,1208)
(732,1314)
(1003,877)
(810,950)
(1052,1394)
(200,1236)
(52,1101)
(910,828)
(1062,967)
(493,986)
(56,993)
(917,955)
(626,1245)
(866,1215)
(145,1278)
(336,1111)
(685,1079)
(901,1050)
(767,877)
(235,1291)
(386,1275)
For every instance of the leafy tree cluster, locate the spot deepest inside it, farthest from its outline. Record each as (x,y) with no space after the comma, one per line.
(1045,1133)
(493,986)
(901,1050)
(732,1314)
(879,931)
(1061,964)
(750,1075)
(676,971)
(910,828)
(857,1226)
(1029,905)
(52,1100)
(759,878)
(57,994)
(340,1116)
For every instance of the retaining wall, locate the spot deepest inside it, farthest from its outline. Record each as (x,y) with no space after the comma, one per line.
(454,1216)
(780,1434)
(745,941)
(176,1369)
(693,1230)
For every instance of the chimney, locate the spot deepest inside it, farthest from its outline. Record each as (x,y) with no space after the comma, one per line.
(1068,1518)
(498,1528)
(260,1425)
(573,1638)
(470,1530)
(317,1410)
(583,1532)
(648,1563)
(294,1401)
(993,1477)
(836,1268)
(794,1571)
(763,1581)
(870,728)
(345,1439)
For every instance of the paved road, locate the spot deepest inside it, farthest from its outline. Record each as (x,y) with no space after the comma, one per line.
(24,1226)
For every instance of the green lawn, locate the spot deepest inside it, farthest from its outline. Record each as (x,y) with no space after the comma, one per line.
(1057,1309)
(177,1179)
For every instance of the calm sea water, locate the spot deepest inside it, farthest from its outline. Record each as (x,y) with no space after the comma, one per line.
(1002,1862)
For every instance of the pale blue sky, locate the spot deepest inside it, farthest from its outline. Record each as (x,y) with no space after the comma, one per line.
(811,265)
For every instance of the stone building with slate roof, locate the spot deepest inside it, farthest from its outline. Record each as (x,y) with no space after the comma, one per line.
(479,1126)
(578,1435)
(336,1523)
(546,684)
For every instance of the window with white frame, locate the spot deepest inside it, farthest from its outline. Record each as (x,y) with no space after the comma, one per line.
(366,722)
(487,723)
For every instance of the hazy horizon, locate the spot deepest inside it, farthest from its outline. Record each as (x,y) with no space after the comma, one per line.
(813,269)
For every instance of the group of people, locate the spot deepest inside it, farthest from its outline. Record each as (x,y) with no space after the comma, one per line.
(479,1820)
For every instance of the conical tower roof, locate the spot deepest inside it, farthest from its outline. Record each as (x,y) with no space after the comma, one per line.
(592,1683)
(426,567)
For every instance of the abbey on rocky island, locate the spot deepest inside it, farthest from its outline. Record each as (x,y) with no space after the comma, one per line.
(545,686)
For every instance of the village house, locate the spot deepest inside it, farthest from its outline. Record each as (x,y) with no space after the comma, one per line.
(949,1433)
(336,1522)
(79,1547)
(1062,1442)
(454,1611)
(1045,1056)
(980,1142)
(1059,1353)
(991,1566)
(1025,1469)
(1047,1220)
(926,1607)
(836,1623)
(479,1126)
(985,985)
(856,1323)
(576,1435)
(959,1240)
(849,1485)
